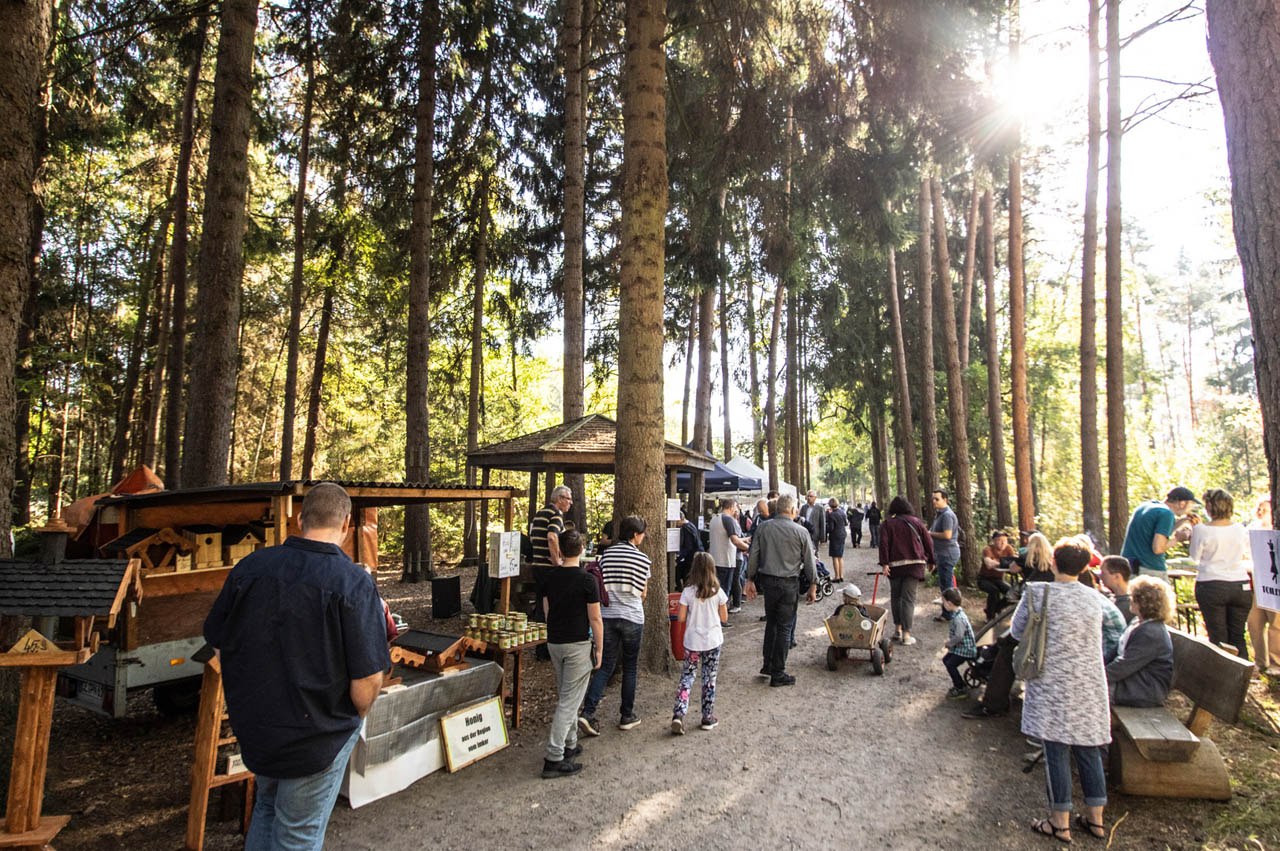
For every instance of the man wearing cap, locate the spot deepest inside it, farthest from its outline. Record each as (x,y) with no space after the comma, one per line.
(1146,540)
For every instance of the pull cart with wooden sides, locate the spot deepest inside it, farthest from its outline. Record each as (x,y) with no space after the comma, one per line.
(858,628)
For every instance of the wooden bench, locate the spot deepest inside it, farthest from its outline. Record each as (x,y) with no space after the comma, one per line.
(1154,753)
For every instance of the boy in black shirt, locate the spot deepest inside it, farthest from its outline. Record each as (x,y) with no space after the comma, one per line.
(575,633)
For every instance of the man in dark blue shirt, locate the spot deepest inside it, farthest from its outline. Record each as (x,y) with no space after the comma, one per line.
(301,636)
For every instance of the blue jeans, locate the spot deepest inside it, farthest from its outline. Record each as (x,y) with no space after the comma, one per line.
(291,814)
(946,572)
(1057,769)
(619,635)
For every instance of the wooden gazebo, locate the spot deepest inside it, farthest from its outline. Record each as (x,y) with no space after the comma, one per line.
(585,445)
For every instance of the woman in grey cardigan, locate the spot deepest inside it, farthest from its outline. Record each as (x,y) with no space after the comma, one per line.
(1142,672)
(1066,706)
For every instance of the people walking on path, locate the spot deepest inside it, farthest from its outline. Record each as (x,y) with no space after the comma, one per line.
(856,516)
(575,639)
(702,609)
(905,549)
(874,517)
(302,638)
(782,554)
(625,572)
(837,529)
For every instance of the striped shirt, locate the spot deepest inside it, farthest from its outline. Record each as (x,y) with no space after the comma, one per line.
(548,520)
(625,571)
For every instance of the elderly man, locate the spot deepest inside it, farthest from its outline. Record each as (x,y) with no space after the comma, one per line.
(780,552)
(814,516)
(1151,527)
(544,534)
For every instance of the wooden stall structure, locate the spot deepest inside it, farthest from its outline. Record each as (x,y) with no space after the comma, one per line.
(70,601)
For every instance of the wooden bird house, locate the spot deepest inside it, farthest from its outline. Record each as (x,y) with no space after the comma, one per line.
(238,542)
(158,550)
(207,541)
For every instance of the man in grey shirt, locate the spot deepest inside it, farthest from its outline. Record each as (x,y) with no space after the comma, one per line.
(780,552)
(815,515)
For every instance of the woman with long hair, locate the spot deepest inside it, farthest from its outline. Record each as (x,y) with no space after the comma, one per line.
(905,550)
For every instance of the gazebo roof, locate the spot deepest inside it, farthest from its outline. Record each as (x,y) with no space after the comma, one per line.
(585,445)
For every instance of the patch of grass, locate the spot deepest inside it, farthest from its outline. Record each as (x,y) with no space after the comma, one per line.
(1252,750)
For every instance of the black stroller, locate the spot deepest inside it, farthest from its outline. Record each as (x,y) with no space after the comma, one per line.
(825,586)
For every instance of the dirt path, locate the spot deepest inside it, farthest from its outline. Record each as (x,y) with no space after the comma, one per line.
(842,759)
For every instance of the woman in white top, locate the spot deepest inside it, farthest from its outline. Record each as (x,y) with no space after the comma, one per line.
(1221,550)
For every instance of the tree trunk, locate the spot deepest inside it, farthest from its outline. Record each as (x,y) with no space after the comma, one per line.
(575,55)
(995,416)
(690,344)
(965,329)
(771,384)
(1244,37)
(153,388)
(928,392)
(791,396)
(296,286)
(1090,461)
(417,455)
(27,31)
(206,440)
(702,385)
(962,493)
(902,397)
(1018,315)
(639,483)
(472,535)
(723,315)
(753,372)
(880,452)
(178,260)
(1117,453)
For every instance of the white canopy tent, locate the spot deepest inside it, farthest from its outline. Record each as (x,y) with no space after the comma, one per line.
(744,467)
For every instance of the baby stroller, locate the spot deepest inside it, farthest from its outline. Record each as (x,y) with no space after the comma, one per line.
(825,587)
(979,668)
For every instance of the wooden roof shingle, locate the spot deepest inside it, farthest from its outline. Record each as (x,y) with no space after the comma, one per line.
(78,588)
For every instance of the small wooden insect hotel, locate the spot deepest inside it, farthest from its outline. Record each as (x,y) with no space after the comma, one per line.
(66,604)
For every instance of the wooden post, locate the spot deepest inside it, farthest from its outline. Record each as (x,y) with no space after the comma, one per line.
(484,516)
(357,523)
(30,749)
(533,494)
(282,508)
(548,484)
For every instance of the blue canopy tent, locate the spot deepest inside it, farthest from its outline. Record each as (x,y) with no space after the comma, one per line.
(720,480)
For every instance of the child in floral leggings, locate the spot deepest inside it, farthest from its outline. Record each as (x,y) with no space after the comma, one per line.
(703,607)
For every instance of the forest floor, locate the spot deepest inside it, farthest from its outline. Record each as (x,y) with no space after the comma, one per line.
(840,759)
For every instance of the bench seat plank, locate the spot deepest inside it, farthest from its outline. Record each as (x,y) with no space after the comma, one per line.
(1157,733)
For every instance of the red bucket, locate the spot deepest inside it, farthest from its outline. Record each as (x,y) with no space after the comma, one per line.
(677,628)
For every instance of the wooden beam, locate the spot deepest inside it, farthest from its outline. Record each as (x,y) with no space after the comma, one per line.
(172,584)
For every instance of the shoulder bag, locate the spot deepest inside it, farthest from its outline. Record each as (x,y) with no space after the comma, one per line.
(1028,658)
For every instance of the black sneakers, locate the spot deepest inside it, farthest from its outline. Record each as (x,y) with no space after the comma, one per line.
(563,768)
(981,711)
(782,680)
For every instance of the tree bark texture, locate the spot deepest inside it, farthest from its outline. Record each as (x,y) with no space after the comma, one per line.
(702,384)
(691,343)
(995,413)
(757,430)
(771,384)
(962,492)
(25,33)
(902,414)
(1244,41)
(175,366)
(297,285)
(1020,404)
(207,436)
(1090,443)
(965,329)
(574,41)
(723,317)
(928,389)
(473,537)
(1117,451)
(640,479)
(417,455)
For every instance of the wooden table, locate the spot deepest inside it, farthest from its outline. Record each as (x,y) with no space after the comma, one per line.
(1187,613)
(499,655)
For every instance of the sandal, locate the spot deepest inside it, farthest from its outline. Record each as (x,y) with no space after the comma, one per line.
(1044,827)
(1096,830)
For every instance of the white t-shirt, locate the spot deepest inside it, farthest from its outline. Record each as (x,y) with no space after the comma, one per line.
(1222,552)
(702,629)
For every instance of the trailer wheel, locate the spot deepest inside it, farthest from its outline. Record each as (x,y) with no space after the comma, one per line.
(833,658)
(886,647)
(177,698)
(877,660)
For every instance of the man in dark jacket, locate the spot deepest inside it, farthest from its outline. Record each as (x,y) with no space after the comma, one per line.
(855,525)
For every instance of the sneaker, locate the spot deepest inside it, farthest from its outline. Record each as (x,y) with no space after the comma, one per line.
(587,725)
(979,712)
(628,722)
(725,624)
(735,610)
(764,672)
(677,725)
(954,693)
(908,641)
(563,768)
(709,722)
(782,680)
(573,752)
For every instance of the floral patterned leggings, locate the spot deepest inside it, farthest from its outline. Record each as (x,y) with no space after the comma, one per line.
(710,667)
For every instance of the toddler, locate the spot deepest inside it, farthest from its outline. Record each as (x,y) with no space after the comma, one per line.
(960,645)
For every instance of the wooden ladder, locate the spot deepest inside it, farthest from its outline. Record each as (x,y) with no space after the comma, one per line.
(204,777)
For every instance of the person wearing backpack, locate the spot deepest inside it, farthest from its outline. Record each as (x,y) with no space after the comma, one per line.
(624,571)
(702,610)
(1058,626)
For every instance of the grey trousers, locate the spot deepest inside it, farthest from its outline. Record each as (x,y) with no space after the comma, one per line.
(572,666)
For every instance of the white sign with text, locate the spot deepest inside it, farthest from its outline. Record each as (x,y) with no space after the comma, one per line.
(1266,568)
(504,554)
(473,733)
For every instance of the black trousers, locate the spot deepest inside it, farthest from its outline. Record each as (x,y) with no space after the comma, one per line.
(996,590)
(781,598)
(730,579)
(855,529)
(1225,608)
(1000,680)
